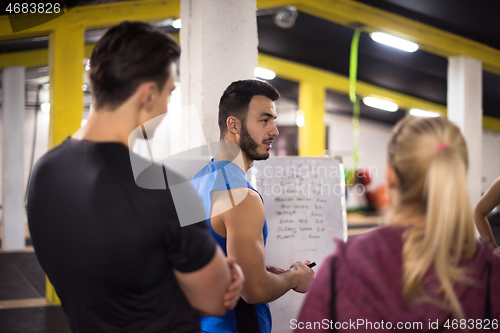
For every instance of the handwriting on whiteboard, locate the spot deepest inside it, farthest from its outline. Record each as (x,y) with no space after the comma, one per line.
(301,191)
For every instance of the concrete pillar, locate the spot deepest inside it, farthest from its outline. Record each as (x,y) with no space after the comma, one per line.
(465,109)
(219,45)
(312,136)
(13,226)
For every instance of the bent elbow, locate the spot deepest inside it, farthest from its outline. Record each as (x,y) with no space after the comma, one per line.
(255,296)
(478,214)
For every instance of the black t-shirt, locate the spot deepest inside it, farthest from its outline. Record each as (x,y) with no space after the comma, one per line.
(109,246)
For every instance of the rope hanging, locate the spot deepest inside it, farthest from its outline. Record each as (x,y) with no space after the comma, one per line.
(353,71)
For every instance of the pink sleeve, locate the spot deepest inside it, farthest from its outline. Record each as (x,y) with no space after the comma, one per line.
(315,313)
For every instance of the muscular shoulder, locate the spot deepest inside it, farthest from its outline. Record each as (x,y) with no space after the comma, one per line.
(246,206)
(496,185)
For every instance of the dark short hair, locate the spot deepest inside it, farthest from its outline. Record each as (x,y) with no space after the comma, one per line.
(128,55)
(236,99)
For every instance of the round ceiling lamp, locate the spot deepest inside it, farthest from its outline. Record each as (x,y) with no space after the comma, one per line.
(286,17)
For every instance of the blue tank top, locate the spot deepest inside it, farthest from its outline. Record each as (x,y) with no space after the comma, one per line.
(225,175)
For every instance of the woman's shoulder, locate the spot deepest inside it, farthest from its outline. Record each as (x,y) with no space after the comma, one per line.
(381,247)
(378,238)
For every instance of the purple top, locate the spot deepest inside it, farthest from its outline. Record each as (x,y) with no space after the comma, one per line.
(369,288)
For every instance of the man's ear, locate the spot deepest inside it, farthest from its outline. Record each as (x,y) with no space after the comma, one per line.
(233,125)
(148,92)
(391,178)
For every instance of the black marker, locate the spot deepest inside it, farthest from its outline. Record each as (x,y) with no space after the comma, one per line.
(311,265)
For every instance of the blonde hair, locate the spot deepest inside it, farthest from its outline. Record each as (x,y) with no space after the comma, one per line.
(429,157)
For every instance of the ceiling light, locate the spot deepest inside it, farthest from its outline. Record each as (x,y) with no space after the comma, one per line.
(393,41)
(45,107)
(285,18)
(177,24)
(300,120)
(164,23)
(263,73)
(422,113)
(380,104)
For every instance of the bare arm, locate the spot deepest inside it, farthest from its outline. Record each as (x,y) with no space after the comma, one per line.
(205,288)
(488,201)
(245,243)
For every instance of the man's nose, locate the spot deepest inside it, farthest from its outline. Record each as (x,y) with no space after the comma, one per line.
(274,131)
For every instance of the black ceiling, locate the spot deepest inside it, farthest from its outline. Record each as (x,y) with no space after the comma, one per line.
(324,44)
(476,20)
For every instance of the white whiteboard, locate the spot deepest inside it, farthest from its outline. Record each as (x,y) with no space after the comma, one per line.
(304,199)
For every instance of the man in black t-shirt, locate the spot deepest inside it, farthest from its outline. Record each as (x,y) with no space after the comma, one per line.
(115,252)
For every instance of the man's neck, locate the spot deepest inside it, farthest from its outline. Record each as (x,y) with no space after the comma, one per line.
(108,126)
(229,151)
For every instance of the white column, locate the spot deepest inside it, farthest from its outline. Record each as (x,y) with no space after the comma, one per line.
(219,45)
(465,109)
(13,227)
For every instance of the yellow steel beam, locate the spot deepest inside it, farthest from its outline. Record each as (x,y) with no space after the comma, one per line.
(96,16)
(298,72)
(105,15)
(312,136)
(50,292)
(35,58)
(268,4)
(66,50)
(88,49)
(491,123)
(429,39)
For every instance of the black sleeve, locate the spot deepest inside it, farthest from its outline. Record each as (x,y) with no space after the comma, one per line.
(193,249)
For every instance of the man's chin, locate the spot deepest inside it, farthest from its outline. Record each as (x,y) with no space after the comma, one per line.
(261,157)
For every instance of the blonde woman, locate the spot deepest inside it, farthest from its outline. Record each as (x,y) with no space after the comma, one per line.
(488,201)
(425,271)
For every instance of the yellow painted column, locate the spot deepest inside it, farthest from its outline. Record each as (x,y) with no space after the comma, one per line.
(312,136)
(66,51)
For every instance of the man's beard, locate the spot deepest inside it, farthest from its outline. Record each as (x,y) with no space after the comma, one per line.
(249,146)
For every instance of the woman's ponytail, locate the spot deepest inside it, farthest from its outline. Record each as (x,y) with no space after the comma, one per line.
(448,236)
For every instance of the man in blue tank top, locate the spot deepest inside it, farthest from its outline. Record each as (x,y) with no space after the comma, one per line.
(237,218)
